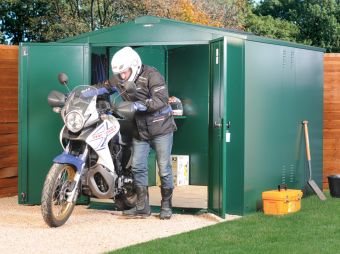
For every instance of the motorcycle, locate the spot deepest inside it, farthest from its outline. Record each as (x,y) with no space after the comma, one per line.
(96,160)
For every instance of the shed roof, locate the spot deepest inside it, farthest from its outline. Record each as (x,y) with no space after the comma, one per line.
(149,30)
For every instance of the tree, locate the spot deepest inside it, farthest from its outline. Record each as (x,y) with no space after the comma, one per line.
(45,20)
(182,10)
(73,17)
(317,20)
(23,21)
(2,38)
(226,13)
(273,28)
(319,26)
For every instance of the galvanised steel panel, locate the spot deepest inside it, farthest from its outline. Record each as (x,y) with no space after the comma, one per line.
(235,115)
(39,126)
(154,57)
(309,89)
(153,31)
(188,79)
(218,160)
(283,87)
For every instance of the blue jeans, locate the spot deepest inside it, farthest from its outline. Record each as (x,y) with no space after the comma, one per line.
(141,148)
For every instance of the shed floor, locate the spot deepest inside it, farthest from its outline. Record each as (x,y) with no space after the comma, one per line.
(190,196)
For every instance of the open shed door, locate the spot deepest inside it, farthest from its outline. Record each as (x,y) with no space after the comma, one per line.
(218,136)
(39,126)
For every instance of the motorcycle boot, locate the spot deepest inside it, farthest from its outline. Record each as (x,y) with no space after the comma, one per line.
(166,204)
(142,208)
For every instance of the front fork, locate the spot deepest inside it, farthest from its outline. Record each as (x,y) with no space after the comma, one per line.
(72,196)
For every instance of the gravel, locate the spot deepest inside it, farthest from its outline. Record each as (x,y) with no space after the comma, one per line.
(23,230)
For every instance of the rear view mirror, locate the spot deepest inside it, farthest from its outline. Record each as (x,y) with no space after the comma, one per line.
(63,79)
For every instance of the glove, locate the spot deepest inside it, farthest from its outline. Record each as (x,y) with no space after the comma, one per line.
(139,106)
(111,90)
(93,92)
(102,90)
(99,91)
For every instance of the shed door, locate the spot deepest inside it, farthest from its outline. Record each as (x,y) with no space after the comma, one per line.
(39,126)
(217,158)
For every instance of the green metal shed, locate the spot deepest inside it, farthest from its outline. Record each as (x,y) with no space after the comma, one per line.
(244,99)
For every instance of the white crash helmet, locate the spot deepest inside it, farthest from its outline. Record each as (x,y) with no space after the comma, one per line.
(124,59)
(176,106)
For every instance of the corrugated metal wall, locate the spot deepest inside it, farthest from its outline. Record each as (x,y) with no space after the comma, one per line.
(8,120)
(331,131)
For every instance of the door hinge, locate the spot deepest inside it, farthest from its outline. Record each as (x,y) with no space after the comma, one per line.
(25,51)
(217,125)
(23,197)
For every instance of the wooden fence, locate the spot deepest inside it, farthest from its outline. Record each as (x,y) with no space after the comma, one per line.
(331,131)
(8,120)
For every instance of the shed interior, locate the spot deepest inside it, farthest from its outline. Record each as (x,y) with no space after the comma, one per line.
(184,69)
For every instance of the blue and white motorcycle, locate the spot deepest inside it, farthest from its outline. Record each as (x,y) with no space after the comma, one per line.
(96,157)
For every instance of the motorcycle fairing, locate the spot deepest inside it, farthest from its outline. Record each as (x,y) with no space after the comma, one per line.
(99,139)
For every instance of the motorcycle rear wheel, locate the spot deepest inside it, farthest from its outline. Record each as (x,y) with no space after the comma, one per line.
(54,206)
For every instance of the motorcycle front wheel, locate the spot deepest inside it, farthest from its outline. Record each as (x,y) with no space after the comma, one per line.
(58,183)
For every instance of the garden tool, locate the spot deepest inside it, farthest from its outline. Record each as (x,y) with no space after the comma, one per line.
(312,184)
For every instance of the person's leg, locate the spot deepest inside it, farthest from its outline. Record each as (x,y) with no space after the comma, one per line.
(140,173)
(139,164)
(163,145)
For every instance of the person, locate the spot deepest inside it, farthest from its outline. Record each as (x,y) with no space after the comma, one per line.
(155,126)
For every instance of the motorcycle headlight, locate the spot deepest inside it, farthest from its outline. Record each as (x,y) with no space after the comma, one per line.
(74,121)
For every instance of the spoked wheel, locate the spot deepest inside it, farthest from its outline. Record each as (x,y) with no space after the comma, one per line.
(58,184)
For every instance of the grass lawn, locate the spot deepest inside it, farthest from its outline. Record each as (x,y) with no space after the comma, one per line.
(314,229)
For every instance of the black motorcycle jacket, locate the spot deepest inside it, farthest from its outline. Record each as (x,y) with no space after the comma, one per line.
(152,91)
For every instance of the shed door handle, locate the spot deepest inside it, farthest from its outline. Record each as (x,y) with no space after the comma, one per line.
(217,125)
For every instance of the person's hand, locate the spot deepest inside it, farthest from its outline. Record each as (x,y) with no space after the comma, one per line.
(139,106)
(89,93)
(93,92)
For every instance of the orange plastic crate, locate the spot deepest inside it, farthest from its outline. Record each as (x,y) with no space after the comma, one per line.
(281,202)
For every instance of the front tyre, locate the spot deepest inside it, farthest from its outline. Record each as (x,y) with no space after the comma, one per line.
(58,183)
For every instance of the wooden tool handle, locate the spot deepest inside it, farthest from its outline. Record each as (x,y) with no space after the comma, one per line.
(305,125)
